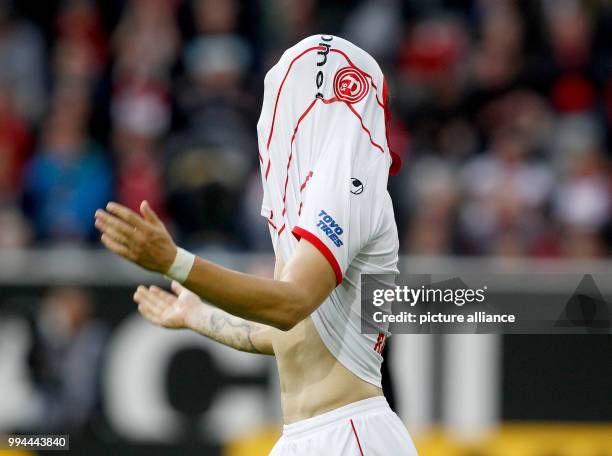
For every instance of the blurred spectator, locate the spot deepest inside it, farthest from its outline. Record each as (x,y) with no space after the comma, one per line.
(570,30)
(139,174)
(145,41)
(80,21)
(505,191)
(22,62)
(434,198)
(375,26)
(431,65)
(287,22)
(584,200)
(498,58)
(66,361)
(69,177)
(216,16)
(210,160)
(15,142)
(14,147)
(81,47)
(146,47)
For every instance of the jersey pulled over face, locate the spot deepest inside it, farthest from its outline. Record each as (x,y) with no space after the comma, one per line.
(325,162)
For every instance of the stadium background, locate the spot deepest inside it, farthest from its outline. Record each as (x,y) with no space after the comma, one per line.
(502,111)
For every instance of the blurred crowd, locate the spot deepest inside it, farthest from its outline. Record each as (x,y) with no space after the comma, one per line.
(501,109)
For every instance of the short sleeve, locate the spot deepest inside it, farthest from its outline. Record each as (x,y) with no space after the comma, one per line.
(338,215)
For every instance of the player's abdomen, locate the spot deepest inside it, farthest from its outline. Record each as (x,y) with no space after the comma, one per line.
(312,380)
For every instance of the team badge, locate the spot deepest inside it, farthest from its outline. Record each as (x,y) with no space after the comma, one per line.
(350,85)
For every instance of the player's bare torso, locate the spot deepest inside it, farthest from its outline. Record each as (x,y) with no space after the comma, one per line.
(312,381)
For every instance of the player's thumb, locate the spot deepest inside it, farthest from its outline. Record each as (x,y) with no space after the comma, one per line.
(177,288)
(148,213)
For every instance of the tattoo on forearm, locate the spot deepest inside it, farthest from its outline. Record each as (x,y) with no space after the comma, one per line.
(229,330)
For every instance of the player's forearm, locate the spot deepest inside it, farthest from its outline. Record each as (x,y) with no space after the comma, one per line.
(234,332)
(275,303)
(305,283)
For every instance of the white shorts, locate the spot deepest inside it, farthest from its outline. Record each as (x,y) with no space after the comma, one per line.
(364,428)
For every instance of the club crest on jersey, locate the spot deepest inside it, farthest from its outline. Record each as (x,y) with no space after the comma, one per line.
(350,85)
(331,229)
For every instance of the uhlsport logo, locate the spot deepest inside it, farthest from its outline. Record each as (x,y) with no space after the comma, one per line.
(331,229)
(350,85)
(356,186)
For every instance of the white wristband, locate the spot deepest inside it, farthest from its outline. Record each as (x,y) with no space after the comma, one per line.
(181,267)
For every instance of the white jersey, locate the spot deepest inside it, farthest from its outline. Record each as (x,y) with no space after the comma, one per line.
(325,162)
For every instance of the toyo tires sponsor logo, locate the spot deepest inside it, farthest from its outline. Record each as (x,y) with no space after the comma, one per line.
(331,229)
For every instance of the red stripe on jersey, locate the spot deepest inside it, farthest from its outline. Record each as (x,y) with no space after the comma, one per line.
(304,114)
(300,233)
(281,230)
(270,220)
(295,130)
(268,168)
(329,101)
(306,181)
(302,187)
(364,127)
(357,437)
(280,89)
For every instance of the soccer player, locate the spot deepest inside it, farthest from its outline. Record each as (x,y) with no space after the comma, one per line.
(324,160)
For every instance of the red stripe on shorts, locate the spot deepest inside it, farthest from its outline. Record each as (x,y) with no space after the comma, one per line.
(357,437)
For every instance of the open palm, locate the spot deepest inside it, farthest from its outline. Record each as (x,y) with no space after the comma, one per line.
(166,309)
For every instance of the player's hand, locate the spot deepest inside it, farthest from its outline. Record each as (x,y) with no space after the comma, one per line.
(168,310)
(141,238)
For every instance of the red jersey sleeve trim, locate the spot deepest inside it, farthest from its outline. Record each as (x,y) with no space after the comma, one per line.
(299,233)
